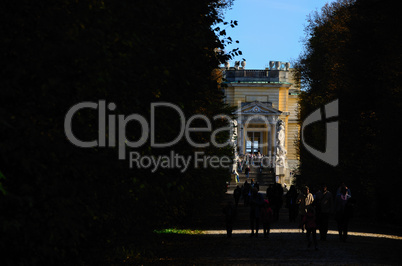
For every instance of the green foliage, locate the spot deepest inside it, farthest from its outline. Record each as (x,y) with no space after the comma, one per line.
(350,55)
(71,205)
(179,231)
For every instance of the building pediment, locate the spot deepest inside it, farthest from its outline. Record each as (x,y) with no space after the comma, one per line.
(257,108)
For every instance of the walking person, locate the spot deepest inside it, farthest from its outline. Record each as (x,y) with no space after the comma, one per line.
(266,217)
(338,191)
(343,212)
(291,204)
(236,176)
(239,165)
(304,199)
(247,171)
(236,195)
(309,221)
(270,193)
(256,201)
(326,207)
(277,200)
(245,193)
(230,216)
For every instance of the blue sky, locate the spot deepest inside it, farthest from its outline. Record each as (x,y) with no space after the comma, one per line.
(269,30)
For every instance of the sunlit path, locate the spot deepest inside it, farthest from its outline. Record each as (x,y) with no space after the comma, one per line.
(294,231)
(205,242)
(284,247)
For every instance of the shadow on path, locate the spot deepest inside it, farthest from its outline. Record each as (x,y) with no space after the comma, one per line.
(280,248)
(286,245)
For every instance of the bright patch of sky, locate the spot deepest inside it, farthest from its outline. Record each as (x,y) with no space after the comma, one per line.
(269,30)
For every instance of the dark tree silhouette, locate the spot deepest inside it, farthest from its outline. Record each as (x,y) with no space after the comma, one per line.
(63,204)
(351,56)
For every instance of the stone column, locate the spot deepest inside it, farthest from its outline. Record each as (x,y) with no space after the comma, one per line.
(269,136)
(273,143)
(261,148)
(241,136)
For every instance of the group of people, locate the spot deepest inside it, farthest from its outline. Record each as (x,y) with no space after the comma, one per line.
(312,210)
(254,159)
(262,210)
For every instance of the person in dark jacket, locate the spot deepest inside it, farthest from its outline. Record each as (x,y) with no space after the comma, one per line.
(236,195)
(343,212)
(247,171)
(326,205)
(256,201)
(266,218)
(230,216)
(291,203)
(309,221)
(245,193)
(277,200)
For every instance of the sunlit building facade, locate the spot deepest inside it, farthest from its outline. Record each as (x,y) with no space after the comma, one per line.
(267,114)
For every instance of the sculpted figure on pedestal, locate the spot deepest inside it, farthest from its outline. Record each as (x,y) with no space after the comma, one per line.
(280,145)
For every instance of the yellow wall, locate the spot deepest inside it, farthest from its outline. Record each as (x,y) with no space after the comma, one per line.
(293,134)
(278,95)
(235,93)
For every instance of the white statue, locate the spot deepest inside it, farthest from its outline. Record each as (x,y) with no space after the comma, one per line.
(271,65)
(243,64)
(278,65)
(281,152)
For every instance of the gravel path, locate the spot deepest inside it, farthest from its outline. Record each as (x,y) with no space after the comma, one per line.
(286,245)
